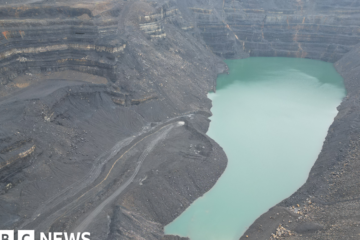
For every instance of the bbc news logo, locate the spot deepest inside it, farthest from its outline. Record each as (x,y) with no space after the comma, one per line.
(30,235)
(22,235)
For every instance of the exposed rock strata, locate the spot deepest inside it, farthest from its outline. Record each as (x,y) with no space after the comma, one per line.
(69,142)
(322,29)
(91,90)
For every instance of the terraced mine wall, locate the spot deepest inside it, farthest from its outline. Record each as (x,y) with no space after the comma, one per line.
(53,38)
(86,91)
(87,88)
(323,30)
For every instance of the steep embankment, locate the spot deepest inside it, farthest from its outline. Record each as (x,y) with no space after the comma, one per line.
(94,93)
(103,118)
(321,29)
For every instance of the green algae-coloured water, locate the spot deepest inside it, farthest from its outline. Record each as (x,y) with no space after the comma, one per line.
(271,116)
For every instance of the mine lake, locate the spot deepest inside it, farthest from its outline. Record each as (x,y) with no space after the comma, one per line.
(271,116)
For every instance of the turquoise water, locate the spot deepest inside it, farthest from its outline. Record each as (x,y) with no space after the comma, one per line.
(271,116)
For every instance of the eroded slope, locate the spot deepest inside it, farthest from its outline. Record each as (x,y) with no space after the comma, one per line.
(80,153)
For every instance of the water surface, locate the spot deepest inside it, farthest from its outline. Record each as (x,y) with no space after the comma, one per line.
(271,116)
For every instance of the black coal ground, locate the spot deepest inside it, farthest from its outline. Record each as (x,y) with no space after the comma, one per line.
(67,145)
(86,147)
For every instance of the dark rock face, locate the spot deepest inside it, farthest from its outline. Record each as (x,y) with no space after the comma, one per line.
(41,38)
(174,238)
(103,109)
(104,113)
(308,227)
(322,29)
